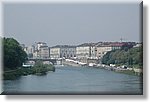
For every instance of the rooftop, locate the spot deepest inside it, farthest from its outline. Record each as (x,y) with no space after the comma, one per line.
(41,43)
(63,46)
(87,44)
(43,46)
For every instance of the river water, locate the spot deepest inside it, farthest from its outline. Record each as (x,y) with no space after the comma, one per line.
(75,80)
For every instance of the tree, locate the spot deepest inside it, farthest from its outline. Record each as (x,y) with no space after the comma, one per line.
(14,56)
(131,57)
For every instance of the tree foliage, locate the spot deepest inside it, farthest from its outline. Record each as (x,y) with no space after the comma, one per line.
(39,67)
(14,55)
(131,57)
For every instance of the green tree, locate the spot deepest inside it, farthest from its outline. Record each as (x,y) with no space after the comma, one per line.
(131,57)
(14,56)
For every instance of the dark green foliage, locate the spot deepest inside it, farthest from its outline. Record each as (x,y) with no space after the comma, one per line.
(131,57)
(14,56)
(39,67)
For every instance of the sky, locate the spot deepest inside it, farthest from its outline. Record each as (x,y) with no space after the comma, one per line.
(70,23)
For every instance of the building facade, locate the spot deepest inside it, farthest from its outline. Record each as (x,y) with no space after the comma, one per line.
(83,52)
(86,51)
(67,52)
(44,52)
(39,44)
(102,50)
(93,52)
(54,52)
(62,51)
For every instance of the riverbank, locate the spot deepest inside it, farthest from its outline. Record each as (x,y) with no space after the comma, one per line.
(14,74)
(130,71)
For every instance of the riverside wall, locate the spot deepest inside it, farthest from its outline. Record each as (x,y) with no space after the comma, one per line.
(70,63)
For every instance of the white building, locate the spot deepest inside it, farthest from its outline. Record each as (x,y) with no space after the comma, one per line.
(44,52)
(67,52)
(55,52)
(41,50)
(83,52)
(39,44)
(62,51)
(29,50)
(93,52)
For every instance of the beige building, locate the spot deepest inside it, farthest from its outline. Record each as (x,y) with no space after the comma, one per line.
(86,50)
(102,50)
(86,53)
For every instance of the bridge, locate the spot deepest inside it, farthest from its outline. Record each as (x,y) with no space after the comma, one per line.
(54,61)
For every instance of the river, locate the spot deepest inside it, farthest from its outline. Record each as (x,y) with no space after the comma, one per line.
(75,80)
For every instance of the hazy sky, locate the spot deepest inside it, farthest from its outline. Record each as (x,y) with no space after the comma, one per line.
(71,23)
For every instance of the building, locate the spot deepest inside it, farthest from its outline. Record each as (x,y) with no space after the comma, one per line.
(102,50)
(83,51)
(93,52)
(117,45)
(39,44)
(86,50)
(63,51)
(105,47)
(86,53)
(67,51)
(55,52)
(30,49)
(36,54)
(43,52)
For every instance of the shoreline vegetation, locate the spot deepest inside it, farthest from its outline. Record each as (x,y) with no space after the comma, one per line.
(126,60)
(38,69)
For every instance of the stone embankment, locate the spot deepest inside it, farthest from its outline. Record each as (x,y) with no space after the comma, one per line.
(69,63)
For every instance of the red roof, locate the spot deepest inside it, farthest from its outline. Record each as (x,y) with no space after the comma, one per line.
(117,44)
